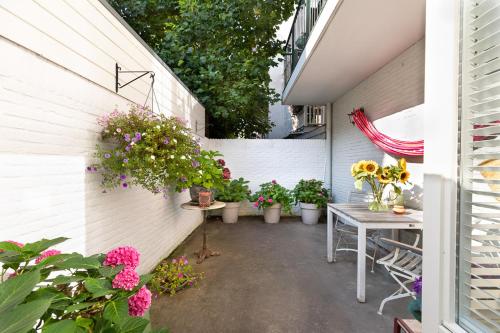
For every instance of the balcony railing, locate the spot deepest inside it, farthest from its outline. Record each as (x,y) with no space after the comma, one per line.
(310,115)
(307,15)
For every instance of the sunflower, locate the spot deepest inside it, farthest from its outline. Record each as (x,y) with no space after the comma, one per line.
(402,164)
(371,167)
(404,176)
(383,178)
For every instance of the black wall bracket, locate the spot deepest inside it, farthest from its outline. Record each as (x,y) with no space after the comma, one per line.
(119,71)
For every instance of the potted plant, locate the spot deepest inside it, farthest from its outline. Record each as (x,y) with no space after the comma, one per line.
(312,197)
(272,198)
(378,178)
(208,175)
(233,193)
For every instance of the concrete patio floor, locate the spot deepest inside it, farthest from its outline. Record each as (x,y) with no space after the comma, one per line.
(274,278)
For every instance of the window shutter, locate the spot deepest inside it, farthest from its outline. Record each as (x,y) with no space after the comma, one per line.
(479,220)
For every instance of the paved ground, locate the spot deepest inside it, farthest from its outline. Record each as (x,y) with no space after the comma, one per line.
(274,278)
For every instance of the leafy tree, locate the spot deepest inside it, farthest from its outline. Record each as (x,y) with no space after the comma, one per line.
(221,49)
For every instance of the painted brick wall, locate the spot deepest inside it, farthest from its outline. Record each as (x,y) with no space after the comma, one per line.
(56,77)
(397,86)
(261,161)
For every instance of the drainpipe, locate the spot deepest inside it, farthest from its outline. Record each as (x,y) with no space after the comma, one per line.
(329,146)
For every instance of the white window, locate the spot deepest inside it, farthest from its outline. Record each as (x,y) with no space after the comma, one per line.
(478,276)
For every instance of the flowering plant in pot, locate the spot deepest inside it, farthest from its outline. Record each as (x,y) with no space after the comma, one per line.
(272,198)
(49,291)
(209,175)
(145,149)
(312,197)
(378,177)
(233,193)
(172,276)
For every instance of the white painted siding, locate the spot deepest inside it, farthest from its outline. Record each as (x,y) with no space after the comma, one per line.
(397,86)
(260,161)
(56,77)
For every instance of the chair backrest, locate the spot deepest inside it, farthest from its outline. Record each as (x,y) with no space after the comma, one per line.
(359,197)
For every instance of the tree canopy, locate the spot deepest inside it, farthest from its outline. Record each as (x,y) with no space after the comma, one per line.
(222,50)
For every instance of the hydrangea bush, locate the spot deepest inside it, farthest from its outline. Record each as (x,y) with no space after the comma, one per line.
(172,276)
(312,192)
(44,289)
(234,191)
(272,193)
(145,149)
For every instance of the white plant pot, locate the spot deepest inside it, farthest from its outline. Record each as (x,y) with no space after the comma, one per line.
(310,213)
(272,214)
(230,212)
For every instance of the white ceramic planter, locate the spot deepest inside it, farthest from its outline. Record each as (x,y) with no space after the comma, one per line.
(310,213)
(230,212)
(272,214)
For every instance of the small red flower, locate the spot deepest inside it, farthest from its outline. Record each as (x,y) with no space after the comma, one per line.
(221,162)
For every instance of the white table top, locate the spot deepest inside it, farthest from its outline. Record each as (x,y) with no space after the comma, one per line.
(194,206)
(362,214)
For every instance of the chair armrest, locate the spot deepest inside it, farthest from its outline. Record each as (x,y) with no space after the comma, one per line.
(402,245)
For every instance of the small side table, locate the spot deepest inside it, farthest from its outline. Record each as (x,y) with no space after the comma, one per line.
(205,252)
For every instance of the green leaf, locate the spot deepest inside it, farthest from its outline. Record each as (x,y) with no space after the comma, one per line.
(144,279)
(23,317)
(116,311)
(65,279)
(14,290)
(42,245)
(109,271)
(133,325)
(8,246)
(64,326)
(84,322)
(79,306)
(98,287)
(80,262)
(358,184)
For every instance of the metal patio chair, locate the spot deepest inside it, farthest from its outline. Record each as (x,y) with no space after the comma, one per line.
(404,264)
(346,233)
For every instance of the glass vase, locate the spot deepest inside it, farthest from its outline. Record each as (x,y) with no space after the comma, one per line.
(378,205)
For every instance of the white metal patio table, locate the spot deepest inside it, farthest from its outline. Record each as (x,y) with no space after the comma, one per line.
(359,216)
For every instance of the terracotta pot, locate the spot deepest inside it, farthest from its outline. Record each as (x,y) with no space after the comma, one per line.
(230,212)
(272,214)
(195,190)
(310,213)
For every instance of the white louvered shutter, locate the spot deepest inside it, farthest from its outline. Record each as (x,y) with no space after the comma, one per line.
(478,281)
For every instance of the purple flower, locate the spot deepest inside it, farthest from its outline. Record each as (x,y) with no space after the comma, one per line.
(183,179)
(126,137)
(107,155)
(94,169)
(123,177)
(166,141)
(128,148)
(89,169)
(197,151)
(125,160)
(138,136)
(417,286)
(124,185)
(195,163)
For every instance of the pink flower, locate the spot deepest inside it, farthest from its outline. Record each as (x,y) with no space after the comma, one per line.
(125,255)
(180,275)
(274,182)
(46,254)
(221,162)
(226,173)
(261,198)
(127,279)
(269,200)
(174,261)
(139,303)
(256,204)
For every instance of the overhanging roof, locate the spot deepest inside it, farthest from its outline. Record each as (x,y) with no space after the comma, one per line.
(352,39)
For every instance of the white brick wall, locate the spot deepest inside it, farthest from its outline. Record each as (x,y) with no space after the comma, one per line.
(261,161)
(56,77)
(397,86)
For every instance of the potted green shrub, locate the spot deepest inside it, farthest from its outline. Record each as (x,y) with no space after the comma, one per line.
(233,193)
(312,197)
(273,198)
(208,174)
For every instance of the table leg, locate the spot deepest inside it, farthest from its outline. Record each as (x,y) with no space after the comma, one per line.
(205,252)
(329,236)
(361,264)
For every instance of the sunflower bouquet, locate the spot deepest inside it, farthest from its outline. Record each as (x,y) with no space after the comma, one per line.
(378,178)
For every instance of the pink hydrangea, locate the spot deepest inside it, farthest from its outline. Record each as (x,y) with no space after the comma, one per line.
(46,254)
(139,303)
(270,200)
(261,198)
(125,255)
(127,279)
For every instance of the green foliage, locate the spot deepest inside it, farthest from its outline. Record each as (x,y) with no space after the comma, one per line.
(272,193)
(149,150)
(209,172)
(222,50)
(235,191)
(61,292)
(170,277)
(312,192)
